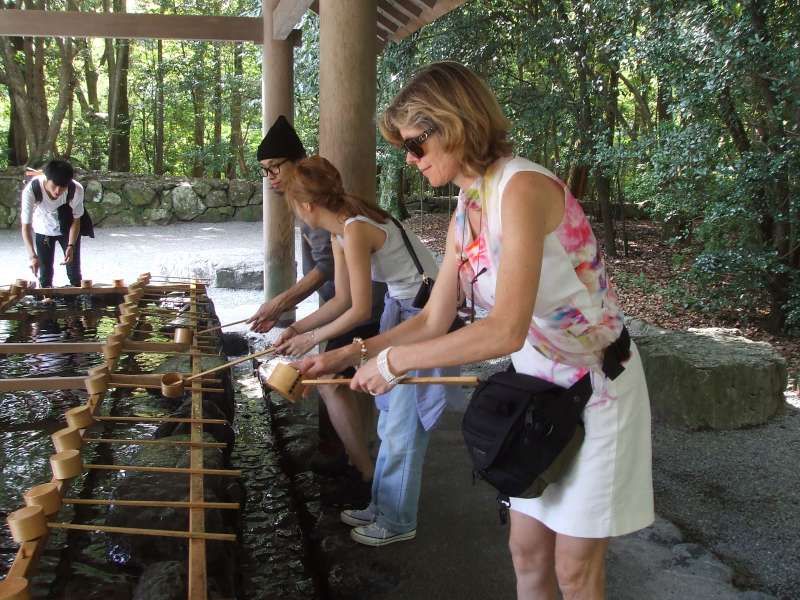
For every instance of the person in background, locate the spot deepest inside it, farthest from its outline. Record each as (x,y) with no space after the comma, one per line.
(520,246)
(42,229)
(278,155)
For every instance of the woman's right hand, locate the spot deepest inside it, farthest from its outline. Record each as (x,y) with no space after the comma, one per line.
(285,335)
(328,362)
(34,265)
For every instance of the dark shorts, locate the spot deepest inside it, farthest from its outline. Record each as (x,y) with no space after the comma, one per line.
(367,330)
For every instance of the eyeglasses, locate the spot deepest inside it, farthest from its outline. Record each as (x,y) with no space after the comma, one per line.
(467,310)
(414,144)
(273,170)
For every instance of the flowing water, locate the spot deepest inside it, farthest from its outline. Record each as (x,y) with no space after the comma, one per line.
(268,559)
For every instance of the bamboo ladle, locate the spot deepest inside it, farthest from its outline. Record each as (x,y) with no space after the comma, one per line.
(285,380)
(99,384)
(172,384)
(100,379)
(222,326)
(203,280)
(184,335)
(68,464)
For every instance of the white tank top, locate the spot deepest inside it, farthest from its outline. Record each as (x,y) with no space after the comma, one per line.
(392,263)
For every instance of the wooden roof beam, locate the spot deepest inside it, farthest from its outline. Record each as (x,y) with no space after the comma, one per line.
(429,11)
(386,23)
(391,11)
(286,15)
(52,23)
(408,6)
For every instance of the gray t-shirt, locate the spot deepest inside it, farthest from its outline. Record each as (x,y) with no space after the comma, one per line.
(317,253)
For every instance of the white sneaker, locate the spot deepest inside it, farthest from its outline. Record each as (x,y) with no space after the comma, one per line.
(374,535)
(357,518)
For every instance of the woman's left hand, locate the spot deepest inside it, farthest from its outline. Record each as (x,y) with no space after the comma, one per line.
(369,379)
(298,344)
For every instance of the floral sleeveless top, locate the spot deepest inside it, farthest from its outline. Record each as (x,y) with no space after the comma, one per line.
(576,315)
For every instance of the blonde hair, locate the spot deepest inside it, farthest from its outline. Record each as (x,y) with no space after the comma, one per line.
(460,106)
(316,181)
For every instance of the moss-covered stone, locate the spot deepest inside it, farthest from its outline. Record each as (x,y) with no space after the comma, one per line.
(249,213)
(217,215)
(239,192)
(140,193)
(186,204)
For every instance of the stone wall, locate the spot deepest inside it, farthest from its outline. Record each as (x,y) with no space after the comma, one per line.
(130,199)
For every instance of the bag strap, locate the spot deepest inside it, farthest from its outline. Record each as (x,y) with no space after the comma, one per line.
(36,188)
(409,247)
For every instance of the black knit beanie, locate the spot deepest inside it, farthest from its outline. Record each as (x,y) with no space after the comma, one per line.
(281,141)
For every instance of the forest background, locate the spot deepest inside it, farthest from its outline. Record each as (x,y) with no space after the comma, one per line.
(688,110)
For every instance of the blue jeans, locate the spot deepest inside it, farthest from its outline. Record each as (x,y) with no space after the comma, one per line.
(46,248)
(398,468)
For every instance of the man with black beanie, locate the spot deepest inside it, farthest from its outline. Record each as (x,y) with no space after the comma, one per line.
(278,155)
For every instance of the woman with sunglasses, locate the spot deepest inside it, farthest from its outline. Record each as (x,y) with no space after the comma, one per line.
(369,245)
(521,245)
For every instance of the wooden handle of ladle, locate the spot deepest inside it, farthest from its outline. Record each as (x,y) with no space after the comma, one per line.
(221,326)
(231,363)
(464,380)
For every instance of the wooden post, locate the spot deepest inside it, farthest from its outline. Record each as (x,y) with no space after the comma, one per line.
(347,79)
(277,72)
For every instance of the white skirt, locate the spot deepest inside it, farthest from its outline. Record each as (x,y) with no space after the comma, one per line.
(608,490)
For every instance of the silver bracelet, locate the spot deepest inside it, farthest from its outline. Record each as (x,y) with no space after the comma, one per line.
(383,366)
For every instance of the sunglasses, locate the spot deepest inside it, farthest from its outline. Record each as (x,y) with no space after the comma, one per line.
(273,170)
(414,144)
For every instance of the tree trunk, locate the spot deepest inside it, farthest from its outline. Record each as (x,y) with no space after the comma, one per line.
(236,154)
(66,86)
(30,107)
(17,149)
(217,102)
(199,104)
(118,117)
(37,92)
(158,112)
(777,190)
(603,179)
(90,106)
(70,129)
(119,125)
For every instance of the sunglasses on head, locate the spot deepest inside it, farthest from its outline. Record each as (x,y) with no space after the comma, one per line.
(414,144)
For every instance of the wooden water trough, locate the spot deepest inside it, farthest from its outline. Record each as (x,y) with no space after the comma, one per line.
(30,524)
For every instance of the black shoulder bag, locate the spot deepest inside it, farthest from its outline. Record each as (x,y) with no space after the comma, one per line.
(522,433)
(65,216)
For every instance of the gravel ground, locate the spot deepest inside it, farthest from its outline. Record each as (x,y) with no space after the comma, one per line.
(735,492)
(183,250)
(738,494)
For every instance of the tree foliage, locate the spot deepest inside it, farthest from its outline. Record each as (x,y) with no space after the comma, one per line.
(689,108)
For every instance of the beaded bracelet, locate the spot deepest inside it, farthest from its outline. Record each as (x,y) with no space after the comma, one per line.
(362,351)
